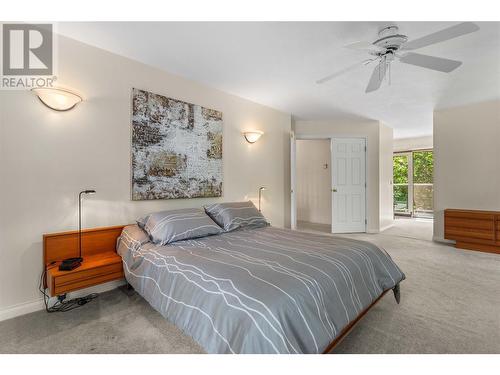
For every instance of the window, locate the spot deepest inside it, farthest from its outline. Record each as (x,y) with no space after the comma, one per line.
(400,178)
(423,170)
(413,183)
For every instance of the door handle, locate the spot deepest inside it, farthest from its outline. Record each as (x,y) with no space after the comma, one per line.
(334,190)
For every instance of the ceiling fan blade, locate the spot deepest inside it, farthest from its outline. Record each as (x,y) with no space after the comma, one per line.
(364,46)
(440,36)
(377,77)
(430,62)
(343,71)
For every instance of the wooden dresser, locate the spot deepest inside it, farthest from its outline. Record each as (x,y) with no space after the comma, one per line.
(100,263)
(473,230)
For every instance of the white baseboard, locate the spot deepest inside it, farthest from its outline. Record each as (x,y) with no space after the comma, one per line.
(38,304)
(443,240)
(386,227)
(21,309)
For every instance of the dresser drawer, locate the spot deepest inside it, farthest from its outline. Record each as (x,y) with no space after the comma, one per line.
(497,229)
(87,274)
(94,270)
(473,230)
(85,283)
(472,233)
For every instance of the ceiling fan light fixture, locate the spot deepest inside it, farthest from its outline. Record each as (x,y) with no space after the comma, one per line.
(391,46)
(389,39)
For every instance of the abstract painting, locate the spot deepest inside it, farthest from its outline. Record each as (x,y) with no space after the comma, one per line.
(176,148)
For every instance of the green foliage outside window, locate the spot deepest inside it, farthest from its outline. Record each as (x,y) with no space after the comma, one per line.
(400,176)
(423,167)
(401,198)
(400,169)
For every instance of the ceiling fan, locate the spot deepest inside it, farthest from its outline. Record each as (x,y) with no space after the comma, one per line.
(392,46)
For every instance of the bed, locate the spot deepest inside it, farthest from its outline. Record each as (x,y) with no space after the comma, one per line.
(263,290)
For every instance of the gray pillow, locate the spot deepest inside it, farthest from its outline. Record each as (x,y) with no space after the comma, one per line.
(135,234)
(132,237)
(175,225)
(236,215)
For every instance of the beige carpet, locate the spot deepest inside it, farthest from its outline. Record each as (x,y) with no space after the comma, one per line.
(450,304)
(307,226)
(420,229)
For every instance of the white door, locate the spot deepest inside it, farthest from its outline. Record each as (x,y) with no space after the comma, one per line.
(348,185)
(293,200)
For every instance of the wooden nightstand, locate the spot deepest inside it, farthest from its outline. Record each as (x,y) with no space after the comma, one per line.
(94,270)
(100,263)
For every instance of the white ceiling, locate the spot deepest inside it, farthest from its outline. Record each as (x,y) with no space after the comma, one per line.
(277,64)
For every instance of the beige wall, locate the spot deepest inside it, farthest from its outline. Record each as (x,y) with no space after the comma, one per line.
(48,157)
(314,197)
(466,159)
(410,144)
(386,136)
(370,130)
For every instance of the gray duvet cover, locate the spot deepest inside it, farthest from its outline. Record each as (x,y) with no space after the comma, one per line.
(263,290)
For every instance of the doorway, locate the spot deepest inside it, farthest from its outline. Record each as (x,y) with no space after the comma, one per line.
(328,179)
(313,176)
(413,184)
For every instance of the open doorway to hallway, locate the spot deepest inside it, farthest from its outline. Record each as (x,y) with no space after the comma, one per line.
(328,179)
(313,185)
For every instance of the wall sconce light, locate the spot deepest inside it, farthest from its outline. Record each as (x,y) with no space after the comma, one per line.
(57,99)
(253,136)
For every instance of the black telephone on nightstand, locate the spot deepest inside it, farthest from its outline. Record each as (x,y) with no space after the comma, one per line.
(70,264)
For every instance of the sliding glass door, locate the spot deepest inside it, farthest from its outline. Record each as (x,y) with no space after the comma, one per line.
(423,170)
(413,183)
(402,193)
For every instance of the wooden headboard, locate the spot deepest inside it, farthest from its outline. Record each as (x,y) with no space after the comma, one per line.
(62,245)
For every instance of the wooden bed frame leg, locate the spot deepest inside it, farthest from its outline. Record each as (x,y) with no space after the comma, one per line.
(127,289)
(397,293)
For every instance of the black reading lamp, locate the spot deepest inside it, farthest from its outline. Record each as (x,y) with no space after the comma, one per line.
(72,263)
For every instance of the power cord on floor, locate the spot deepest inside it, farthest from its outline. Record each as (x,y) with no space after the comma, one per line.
(62,305)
